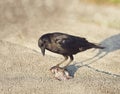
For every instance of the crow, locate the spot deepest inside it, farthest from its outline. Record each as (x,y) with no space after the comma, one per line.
(64,44)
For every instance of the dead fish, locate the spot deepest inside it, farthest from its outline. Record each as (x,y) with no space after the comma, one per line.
(60,73)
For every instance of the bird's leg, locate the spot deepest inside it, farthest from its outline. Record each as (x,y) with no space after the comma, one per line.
(71,59)
(66,57)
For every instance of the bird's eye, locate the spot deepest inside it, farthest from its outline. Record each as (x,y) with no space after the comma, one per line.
(41,44)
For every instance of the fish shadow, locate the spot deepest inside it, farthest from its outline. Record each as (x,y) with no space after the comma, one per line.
(72,69)
(111,44)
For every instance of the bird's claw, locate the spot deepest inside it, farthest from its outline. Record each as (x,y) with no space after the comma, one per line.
(57,65)
(65,67)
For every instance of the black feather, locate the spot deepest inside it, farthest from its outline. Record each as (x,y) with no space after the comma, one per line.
(66,44)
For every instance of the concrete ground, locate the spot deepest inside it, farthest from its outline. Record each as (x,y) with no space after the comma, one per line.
(23,69)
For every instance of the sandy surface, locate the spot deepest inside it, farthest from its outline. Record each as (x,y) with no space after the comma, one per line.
(23,69)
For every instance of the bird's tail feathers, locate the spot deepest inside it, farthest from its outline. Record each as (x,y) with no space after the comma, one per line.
(95,45)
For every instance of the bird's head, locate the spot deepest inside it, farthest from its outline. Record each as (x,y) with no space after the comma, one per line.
(43,42)
(42,45)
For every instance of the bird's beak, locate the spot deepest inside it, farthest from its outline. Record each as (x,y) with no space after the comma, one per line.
(43,50)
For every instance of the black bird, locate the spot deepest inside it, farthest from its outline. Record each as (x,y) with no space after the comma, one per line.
(64,44)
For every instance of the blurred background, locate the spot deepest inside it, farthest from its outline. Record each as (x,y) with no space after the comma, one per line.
(113,2)
(24,21)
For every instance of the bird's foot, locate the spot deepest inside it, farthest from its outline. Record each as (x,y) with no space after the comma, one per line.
(65,67)
(57,65)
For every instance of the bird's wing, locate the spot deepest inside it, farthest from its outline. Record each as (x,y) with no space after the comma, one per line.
(70,42)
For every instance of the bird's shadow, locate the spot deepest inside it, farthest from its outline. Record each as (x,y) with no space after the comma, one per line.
(111,44)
